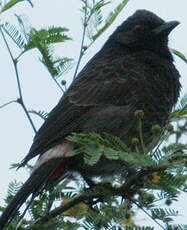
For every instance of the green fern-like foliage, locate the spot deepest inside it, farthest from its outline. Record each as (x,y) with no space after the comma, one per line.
(179,54)
(181,110)
(110,19)
(15,35)
(9,4)
(94,147)
(41,114)
(27,38)
(46,37)
(93,21)
(42,40)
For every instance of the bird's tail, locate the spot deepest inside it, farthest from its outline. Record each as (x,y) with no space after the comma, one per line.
(35,183)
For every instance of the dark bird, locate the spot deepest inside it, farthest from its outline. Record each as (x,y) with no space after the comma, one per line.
(133,71)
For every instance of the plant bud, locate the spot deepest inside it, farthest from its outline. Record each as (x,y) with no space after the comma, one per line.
(169,127)
(63,82)
(155,177)
(84,48)
(135,141)
(139,113)
(168,202)
(155,129)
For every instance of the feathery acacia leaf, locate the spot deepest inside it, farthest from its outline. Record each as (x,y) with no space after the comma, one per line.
(44,37)
(13,188)
(94,18)
(164,214)
(94,146)
(15,35)
(24,26)
(181,111)
(111,17)
(10,4)
(170,183)
(180,55)
(63,65)
(42,40)
(41,114)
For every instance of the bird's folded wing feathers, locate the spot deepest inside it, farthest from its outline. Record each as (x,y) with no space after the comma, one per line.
(91,89)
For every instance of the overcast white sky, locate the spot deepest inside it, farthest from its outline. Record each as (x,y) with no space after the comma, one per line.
(39,91)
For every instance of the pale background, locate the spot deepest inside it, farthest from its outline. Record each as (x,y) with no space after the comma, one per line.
(39,91)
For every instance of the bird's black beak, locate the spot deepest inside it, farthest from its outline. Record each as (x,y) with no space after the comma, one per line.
(166,28)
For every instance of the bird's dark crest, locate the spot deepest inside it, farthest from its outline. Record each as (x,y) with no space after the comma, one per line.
(141,17)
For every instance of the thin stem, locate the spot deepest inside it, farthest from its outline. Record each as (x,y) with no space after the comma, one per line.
(21,96)
(20,55)
(28,116)
(134,202)
(160,140)
(57,211)
(6,43)
(51,74)
(141,135)
(29,1)
(85,23)
(82,42)
(8,103)
(20,100)
(58,84)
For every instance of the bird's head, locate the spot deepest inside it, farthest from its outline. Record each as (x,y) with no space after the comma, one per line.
(143,30)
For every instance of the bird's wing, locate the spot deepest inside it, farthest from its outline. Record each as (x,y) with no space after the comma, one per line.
(99,84)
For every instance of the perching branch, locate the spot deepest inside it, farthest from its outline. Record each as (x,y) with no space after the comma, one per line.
(57,211)
(127,191)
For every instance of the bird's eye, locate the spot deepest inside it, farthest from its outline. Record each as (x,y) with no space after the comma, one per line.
(138,28)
